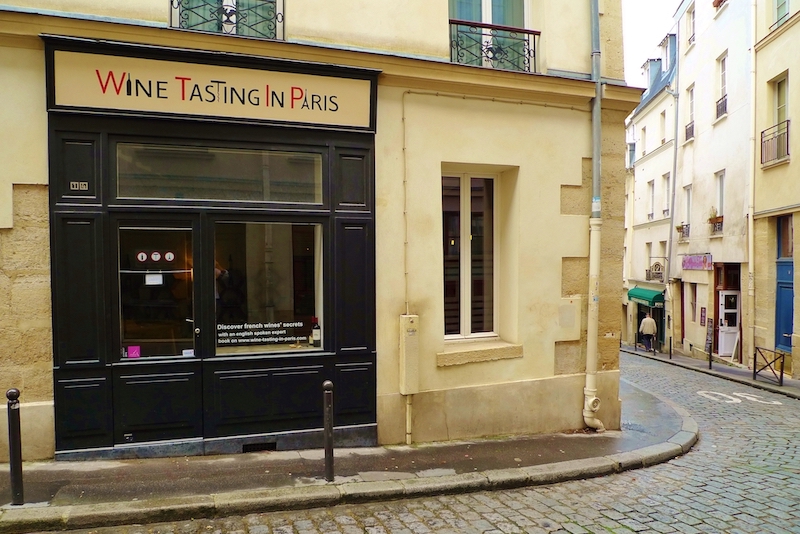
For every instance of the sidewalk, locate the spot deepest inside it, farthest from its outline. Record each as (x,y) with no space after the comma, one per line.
(71,495)
(726,370)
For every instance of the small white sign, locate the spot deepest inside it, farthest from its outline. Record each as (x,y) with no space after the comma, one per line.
(169,256)
(154,279)
(142,256)
(155,256)
(188,352)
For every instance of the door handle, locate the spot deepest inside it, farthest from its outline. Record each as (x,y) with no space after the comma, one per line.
(189,320)
(197,331)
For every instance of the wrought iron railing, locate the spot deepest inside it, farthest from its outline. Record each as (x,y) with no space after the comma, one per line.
(722,106)
(690,131)
(251,18)
(716,225)
(691,39)
(490,45)
(775,143)
(780,21)
(683,232)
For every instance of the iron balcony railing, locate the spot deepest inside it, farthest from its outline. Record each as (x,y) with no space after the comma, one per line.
(780,21)
(490,45)
(722,106)
(775,143)
(251,18)
(716,225)
(691,39)
(690,131)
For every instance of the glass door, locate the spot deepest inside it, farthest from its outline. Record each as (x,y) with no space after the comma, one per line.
(728,321)
(156,292)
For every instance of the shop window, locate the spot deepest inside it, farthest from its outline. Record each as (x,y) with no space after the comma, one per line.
(209,173)
(469,282)
(268,287)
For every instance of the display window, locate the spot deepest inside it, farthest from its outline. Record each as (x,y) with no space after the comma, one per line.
(268,286)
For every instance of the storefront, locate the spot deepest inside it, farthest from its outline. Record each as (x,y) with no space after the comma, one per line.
(213,250)
(649,301)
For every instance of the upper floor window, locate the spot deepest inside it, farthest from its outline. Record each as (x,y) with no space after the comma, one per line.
(781,13)
(722,68)
(775,139)
(690,106)
(644,140)
(690,19)
(662,126)
(496,37)
(251,18)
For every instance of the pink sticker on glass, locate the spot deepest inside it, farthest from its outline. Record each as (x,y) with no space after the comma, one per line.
(134,351)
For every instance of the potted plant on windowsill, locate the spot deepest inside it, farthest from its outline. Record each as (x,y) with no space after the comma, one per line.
(713,217)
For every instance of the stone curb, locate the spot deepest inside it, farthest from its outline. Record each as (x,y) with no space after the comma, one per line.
(747,382)
(17,520)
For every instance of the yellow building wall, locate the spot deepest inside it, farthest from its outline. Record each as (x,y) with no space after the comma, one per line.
(480,120)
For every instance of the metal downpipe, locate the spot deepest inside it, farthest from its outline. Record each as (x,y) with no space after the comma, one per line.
(591,403)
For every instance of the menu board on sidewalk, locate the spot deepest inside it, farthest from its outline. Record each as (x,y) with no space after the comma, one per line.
(709,335)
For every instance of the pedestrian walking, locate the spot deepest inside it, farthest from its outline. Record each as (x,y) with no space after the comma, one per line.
(648,330)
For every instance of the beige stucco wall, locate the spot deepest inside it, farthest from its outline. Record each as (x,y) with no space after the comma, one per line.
(148,11)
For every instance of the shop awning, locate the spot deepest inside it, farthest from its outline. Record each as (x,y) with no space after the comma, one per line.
(648,297)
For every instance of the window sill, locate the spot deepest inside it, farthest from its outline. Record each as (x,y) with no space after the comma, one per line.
(690,140)
(479,350)
(689,47)
(720,9)
(720,118)
(776,163)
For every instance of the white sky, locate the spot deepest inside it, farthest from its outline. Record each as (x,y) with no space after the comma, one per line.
(644,25)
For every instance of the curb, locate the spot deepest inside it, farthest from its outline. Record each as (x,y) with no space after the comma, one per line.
(27,518)
(747,382)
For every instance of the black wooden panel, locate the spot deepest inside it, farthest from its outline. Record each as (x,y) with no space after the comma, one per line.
(352,181)
(355,288)
(157,402)
(237,401)
(78,169)
(297,392)
(354,393)
(83,410)
(78,314)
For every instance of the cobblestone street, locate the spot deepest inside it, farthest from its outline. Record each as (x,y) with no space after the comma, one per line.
(742,476)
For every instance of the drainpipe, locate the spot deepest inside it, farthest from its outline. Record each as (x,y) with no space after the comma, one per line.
(750,333)
(674,180)
(591,403)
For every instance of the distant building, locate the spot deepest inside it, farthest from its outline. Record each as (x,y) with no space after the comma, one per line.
(209,207)
(777,192)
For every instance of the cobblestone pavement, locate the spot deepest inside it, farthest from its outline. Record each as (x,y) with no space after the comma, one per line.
(742,476)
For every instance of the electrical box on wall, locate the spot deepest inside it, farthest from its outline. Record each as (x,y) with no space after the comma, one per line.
(409,354)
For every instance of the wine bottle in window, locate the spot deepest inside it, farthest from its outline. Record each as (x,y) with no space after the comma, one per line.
(316,333)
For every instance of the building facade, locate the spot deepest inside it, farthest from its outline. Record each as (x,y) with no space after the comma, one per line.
(651,153)
(777,195)
(212,207)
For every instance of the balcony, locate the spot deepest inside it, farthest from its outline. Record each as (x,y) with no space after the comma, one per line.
(250,18)
(493,46)
(722,106)
(683,232)
(775,143)
(690,131)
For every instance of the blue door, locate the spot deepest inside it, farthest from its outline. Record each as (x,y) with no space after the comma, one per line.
(784,305)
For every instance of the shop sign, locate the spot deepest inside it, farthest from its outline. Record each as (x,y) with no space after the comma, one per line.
(697,262)
(97,81)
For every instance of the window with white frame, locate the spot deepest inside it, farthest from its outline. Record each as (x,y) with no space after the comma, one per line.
(781,94)
(651,199)
(722,69)
(719,182)
(690,111)
(687,202)
(468,203)
(665,191)
(662,126)
(690,21)
(643,140)
(497,48)
(781,12)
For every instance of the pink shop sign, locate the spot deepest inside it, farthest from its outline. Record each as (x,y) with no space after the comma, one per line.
(697,262)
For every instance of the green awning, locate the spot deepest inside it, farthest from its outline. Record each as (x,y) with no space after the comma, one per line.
(648,297)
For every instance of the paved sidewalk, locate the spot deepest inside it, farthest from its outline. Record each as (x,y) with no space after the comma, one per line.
(722,369)
(71,495)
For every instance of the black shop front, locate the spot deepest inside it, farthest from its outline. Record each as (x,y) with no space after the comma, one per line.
(213,252)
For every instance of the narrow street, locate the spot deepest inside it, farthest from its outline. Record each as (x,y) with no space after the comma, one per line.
(742,476)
